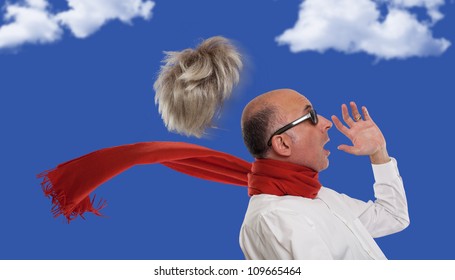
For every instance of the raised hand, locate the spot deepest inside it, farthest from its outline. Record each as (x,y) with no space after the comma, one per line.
(365,135)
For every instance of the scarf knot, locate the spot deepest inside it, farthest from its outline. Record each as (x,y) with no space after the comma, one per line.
(280,178)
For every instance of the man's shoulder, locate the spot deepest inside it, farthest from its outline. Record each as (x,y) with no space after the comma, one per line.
(275,213)
(268,201)
(265,205)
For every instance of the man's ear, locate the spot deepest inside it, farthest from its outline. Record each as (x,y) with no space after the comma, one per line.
(281,144)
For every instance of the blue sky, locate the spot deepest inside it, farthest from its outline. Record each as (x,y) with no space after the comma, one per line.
(76,77)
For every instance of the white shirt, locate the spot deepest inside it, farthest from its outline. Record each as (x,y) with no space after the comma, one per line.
(331,226)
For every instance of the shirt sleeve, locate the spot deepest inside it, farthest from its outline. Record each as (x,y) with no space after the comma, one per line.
(389,212)
(287,235)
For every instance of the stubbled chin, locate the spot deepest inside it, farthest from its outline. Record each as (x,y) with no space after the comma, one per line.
(325,166)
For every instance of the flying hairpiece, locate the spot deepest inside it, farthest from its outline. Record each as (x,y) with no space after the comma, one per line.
(194,83)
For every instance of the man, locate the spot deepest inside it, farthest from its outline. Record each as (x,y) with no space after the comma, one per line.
(299,219)
(290,216)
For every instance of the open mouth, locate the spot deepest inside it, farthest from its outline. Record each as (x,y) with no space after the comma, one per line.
(325,150)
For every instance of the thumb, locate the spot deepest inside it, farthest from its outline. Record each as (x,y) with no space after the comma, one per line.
(348,149)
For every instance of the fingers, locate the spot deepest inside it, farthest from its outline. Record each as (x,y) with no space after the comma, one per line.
(346,117)
(356,115)
(343,129)
(348,149)
(355,112)
(345,114)
(366,114)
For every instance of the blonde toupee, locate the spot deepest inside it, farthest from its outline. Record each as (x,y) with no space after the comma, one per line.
(193,84)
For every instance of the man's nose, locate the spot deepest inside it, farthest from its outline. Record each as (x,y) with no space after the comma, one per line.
(325,123)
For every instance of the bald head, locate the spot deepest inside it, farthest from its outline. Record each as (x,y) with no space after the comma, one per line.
(261,116)
(276,98)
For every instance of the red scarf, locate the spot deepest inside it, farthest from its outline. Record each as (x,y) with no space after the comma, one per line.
(70,184)
(282,178)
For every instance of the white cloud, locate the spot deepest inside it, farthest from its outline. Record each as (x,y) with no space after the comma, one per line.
(432,6)
(87,16)
(357,26)
(33,22)
(28,23)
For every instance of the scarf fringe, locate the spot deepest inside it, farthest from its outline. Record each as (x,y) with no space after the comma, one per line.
(59,205)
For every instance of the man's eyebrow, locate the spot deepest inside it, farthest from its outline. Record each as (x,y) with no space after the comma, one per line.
(307,107)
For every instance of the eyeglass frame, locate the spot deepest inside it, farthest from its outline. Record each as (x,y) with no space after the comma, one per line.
(312,115)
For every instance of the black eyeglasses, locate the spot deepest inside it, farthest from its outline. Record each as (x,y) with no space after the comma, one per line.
(312,115)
